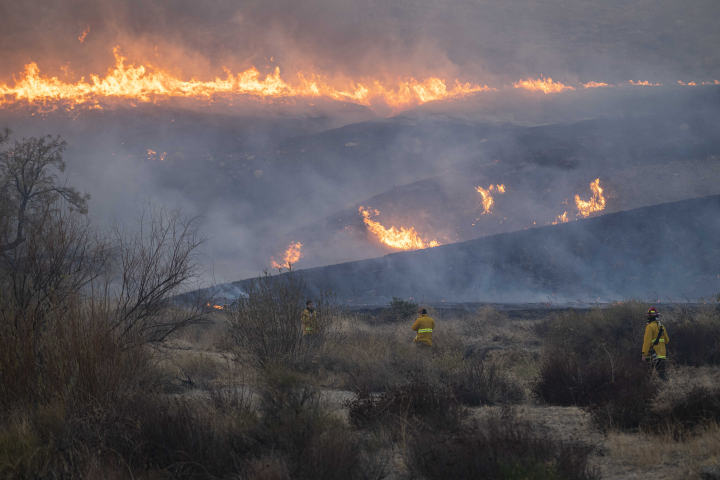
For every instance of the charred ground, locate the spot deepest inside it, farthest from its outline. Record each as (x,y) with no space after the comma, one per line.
(661,251)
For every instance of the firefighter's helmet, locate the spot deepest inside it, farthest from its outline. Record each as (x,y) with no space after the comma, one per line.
(652,313)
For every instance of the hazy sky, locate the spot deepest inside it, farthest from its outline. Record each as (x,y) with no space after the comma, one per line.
(478,40)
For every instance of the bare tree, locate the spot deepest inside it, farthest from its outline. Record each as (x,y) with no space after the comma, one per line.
(265,322)
(51,252)
(60,256)
(152,266)
(29,186)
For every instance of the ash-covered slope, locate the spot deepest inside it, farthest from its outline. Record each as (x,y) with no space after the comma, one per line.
(662,251)
(664,155)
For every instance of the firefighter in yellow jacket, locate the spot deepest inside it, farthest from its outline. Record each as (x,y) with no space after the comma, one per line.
(309,320)
(424,327)
(656,338)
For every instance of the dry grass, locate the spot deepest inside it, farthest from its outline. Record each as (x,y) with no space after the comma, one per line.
(291,424)
(665,456)
(379,357)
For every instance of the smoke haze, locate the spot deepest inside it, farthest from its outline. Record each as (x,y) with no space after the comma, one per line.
(263,173)
(483,41)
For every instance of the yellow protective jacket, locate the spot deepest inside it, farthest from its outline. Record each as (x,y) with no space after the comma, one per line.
(424,327)
(310,322)
(651,333)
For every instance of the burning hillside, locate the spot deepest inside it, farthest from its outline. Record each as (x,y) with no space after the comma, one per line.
(290,258)
(545,85)
(487,198)
(397,238)
(607,256)
(153,84)
(595,204)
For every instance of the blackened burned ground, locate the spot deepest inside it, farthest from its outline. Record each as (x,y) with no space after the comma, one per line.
(666,251)
(517,311)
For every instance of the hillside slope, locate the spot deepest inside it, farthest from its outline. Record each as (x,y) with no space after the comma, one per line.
(661,251)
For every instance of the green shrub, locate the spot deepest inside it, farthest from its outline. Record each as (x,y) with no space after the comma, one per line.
(398,310)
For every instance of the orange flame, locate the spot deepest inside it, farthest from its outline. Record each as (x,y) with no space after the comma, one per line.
(84,34)
(545,85)
(595,85)
(400,239)
(488,201)
(691,84)
(152,84)
(561,219)
(215,306)
(292,255)
(595,204)
(644,84)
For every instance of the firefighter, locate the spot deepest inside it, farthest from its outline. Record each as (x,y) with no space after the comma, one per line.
(311,328)
(424,327)
(656,338)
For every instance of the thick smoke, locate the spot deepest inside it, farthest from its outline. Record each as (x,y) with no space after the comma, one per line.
(483,41)
(260,176)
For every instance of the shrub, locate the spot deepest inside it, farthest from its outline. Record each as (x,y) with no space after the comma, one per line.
(587,362)
(290,436)
(401,309)
(314,445)
(22,453)
(565,379)
(398,310)
(74,359)
(695,343)
(496,448)
(616,329)
(627,403)
(264,324)
(432,407)
(486,316)
(688,412)
(198,368)
(617,391)
(483,383)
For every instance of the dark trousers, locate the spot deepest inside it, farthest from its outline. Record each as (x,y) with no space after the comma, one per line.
(310,342)
(659,365)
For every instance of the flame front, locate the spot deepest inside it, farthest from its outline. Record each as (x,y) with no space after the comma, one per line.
(595,204)
(84,34)
(151,84)
(595,85)
(561,219)
(292,255)
(488,201)
(401,239)
(644,83)
(218,307)
(545,85)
